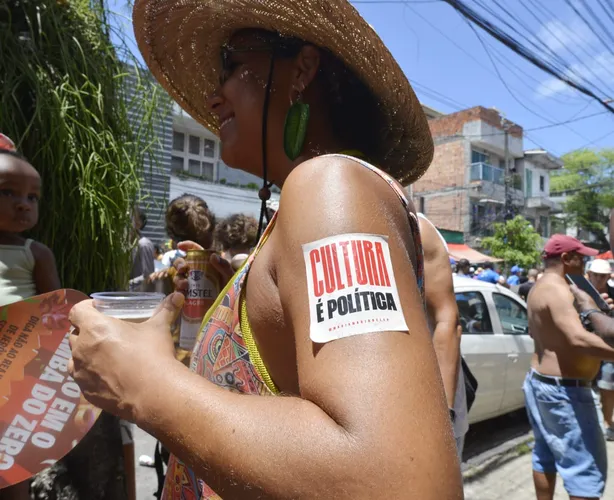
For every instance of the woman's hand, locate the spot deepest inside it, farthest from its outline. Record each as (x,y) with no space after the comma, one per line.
(222,266)
(111,359)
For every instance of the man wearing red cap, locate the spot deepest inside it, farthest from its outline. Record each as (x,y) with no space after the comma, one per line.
(559,400)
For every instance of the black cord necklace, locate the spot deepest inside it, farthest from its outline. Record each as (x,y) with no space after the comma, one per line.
(265,192)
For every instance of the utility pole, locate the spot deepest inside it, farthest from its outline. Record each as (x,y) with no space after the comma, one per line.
(508,213)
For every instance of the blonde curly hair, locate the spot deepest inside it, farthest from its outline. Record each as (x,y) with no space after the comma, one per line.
(188,218)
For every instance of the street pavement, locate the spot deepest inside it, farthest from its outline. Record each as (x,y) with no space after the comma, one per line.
(511,480)
(146,479)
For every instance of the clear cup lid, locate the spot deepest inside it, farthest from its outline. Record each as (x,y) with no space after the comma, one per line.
(127,305)
(122,297)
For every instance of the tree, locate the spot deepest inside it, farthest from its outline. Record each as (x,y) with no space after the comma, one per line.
(516,242)
(63,100)
(587,181)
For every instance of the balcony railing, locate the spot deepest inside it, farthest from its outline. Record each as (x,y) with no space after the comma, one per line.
(484,172)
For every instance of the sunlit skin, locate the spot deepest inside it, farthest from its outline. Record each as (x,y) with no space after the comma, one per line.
(563,348)
(348,401)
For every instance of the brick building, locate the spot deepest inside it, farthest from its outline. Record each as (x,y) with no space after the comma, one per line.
(463,192)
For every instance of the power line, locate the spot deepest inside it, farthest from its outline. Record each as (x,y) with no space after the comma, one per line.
(522,50)
(482,65)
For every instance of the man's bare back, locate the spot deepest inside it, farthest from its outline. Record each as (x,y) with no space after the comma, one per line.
(550,305)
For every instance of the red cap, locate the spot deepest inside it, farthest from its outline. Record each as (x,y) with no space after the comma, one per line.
(560,243)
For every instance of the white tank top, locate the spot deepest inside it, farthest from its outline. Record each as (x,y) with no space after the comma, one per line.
(16,273)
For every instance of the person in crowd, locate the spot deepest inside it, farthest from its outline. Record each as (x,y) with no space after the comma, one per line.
(236,237)
(598,274)
(27,267)
(277,329)
(188,217)
(502,281)
(558,389)
(443,321)
(489,274)
(158,252)
(514,277)
(525,288)
(478,272)
(463,268)
(171,254)
(142,255)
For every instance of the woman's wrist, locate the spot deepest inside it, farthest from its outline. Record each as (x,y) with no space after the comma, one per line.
(155,391)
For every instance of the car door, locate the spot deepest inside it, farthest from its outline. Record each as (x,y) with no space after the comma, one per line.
(512,317)
(484,352)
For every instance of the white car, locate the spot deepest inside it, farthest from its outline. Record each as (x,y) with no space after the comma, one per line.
(495,344)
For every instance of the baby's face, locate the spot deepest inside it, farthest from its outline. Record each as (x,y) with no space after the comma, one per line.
(20,187)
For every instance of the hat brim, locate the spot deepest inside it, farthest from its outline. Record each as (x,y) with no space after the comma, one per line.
(181,40)
(587,252)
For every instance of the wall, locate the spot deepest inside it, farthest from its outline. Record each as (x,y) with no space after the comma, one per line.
(222,200)
(454,123)
(448,211)
(155,176)
(448,168)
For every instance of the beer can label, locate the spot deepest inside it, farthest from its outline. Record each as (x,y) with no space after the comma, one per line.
(203,288)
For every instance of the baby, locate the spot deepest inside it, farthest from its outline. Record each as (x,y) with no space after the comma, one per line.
(27,267)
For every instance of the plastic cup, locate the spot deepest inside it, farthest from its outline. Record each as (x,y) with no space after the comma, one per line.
(135,307)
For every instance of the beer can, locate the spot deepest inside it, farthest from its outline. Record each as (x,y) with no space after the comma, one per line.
(203,288)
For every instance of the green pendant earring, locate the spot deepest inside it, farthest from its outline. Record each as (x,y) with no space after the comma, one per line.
(295,128)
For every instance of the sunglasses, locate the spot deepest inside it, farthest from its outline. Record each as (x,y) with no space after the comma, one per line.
(279,48)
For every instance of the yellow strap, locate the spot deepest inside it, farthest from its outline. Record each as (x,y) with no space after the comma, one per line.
(246,329)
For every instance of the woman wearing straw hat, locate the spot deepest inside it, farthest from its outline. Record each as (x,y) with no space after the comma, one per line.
(328,311)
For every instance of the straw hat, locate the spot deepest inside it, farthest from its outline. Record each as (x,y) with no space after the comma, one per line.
(181,43)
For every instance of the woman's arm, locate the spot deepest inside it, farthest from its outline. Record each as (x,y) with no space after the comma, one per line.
(371,420)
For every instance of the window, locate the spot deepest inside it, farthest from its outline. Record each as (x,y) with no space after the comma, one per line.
(194,167)
(176,164)
(542,183)
(512,315)
(195,154)
(502,164)
(528,184)
(209,148)
(194,145)
(178,141)
(543,226)
(478,157)
(207,172)
(473,313)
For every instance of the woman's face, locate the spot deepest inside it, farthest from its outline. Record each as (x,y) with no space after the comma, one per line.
(239,102)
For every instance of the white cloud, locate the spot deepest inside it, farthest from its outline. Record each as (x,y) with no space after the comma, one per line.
(559,37)
(599,67)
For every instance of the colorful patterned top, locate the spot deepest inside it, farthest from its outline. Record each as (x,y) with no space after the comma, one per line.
(226,354)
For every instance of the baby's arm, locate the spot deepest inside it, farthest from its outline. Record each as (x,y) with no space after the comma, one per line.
(45,272)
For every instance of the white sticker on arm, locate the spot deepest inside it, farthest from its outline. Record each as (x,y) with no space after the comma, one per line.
(351,287)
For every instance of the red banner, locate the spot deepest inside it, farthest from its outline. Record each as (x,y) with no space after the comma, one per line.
(43,414)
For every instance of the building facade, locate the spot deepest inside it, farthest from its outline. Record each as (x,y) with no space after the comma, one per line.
(464,190)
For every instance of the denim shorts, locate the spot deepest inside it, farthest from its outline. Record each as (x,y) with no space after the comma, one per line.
(568,437)
(606,376)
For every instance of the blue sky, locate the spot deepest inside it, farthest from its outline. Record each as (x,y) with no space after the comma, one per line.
(451,70)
